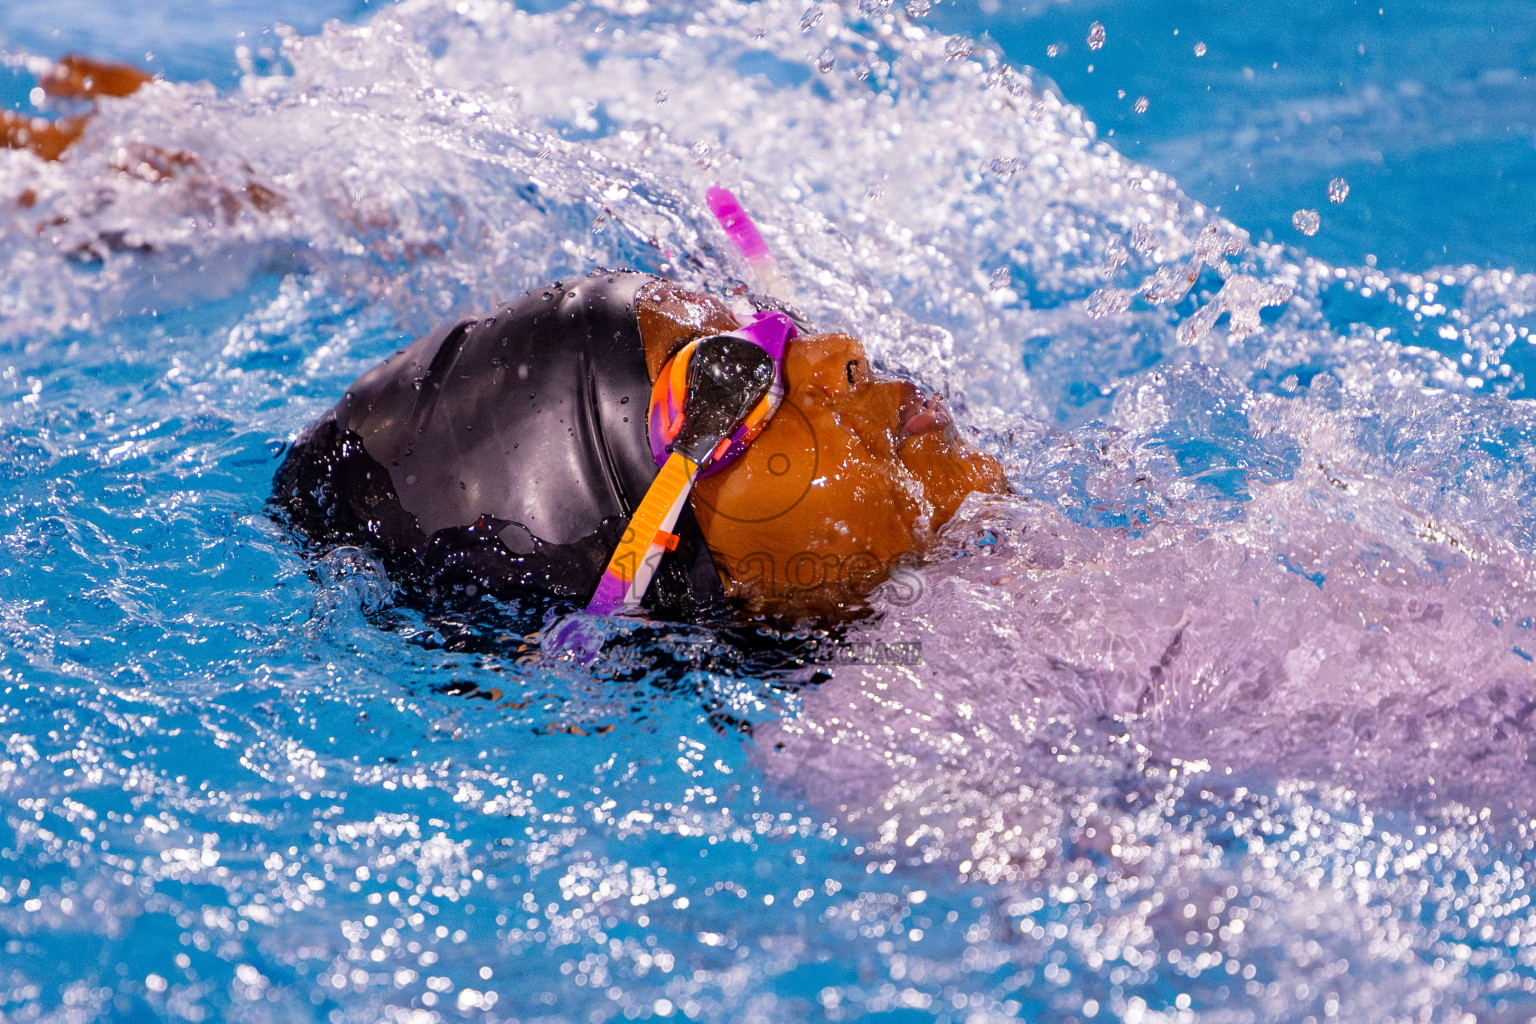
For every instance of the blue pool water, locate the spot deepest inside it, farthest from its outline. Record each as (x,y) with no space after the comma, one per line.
(1225,715)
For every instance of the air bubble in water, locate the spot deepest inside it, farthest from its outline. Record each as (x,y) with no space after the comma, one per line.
(826,60)
(1338,190)
(1002,278)
(919,8)
(1141,104)
(1054,50)
(1306,221)
(871,8)
(811,18)
(701,151)
(1095,36)
(958,48)
(1199,49)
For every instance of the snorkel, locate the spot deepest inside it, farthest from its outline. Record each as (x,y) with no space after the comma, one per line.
(708,403)
(748,241)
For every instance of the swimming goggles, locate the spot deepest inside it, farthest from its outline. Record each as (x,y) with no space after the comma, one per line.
(709,402)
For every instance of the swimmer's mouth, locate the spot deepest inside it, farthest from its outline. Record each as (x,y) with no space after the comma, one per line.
(921,413)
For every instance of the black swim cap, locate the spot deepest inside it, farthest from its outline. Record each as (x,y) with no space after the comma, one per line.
(503,456)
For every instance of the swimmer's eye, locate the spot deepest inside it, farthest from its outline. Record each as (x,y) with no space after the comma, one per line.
(852,369)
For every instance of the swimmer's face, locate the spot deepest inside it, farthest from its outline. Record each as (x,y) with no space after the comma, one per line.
(852,477)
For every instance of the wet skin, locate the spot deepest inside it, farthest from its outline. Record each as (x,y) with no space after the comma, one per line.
(73,77)
(853,476)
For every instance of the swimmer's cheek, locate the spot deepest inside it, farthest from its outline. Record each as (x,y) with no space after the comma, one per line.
(820,567)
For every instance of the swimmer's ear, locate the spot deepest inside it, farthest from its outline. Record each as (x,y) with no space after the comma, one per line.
(77,76)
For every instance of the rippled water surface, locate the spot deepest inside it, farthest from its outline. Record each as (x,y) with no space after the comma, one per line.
(1225,714)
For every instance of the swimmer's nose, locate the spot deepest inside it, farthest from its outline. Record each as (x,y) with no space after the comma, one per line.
(921,413)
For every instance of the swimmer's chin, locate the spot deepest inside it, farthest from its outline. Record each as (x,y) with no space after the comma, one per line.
(825,585)
(949,470)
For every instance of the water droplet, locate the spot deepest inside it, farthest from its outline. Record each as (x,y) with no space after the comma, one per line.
(701,151)
(1005,78)
(1199,49)
(957,48)
(1120,94)
(1306,221)
(1095,36)
(1142,240)
(876,190)
(826,60)
(1338,190)
(811,18)
(919,8)
(1141,104)
(1171,282)
(1054,50)
(872,8)
(1115,255)
(1108,301)
(1242,297)
(1214,243)
(1004,166)
(661,96)
(1002,278)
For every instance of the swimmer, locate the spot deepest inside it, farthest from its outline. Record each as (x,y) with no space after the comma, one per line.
(73,78)
(507,455)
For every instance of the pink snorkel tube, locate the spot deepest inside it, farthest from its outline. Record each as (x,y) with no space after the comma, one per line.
(744,236)
(738,226)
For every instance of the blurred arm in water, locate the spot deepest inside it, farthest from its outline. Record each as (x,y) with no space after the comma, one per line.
(73,78)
